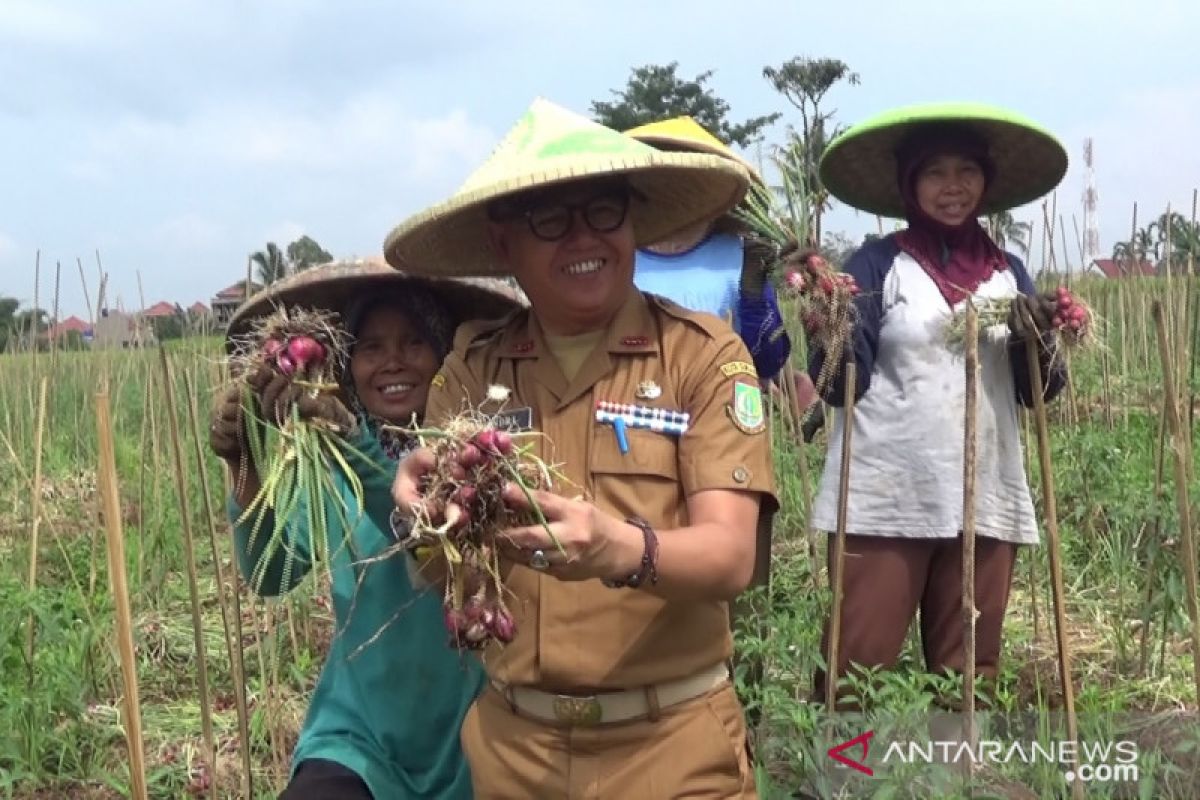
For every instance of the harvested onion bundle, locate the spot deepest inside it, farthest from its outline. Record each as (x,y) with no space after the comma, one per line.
(824,301)
(296,456)
(1073,326)
(474,462)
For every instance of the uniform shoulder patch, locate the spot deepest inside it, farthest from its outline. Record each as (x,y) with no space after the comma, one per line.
(738,368)
(746,408)
(475,332)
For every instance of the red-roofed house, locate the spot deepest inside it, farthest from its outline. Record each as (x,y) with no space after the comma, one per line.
(226,301)
(162,309)
(1120,268)
(70,324)
(198,309)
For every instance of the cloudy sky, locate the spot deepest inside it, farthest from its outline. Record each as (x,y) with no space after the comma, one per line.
(177,136)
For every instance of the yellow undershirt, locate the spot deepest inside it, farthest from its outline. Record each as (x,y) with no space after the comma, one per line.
(572,351)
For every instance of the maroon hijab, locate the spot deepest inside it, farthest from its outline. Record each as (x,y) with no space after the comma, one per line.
(957,258)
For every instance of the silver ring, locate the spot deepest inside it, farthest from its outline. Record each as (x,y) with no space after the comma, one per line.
(538,560)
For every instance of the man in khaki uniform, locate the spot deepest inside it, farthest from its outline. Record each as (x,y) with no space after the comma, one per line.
(616,684)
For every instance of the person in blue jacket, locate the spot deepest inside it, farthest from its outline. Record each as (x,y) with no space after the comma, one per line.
(939,167)
(383,722)
(714,266)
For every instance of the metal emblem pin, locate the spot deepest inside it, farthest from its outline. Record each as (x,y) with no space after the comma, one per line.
(648,390)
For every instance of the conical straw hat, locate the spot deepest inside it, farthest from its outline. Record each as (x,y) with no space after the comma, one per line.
(334,286)
(551,145)
(684,133)
(860,166)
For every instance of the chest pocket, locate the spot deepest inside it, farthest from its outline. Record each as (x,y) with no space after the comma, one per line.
(643,481)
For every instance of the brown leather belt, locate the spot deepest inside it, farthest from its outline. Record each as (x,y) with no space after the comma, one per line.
(618,706)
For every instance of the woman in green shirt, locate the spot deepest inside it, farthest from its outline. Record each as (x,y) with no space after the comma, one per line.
(383,722)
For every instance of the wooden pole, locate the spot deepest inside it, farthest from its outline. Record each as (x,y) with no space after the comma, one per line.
(233,628)
(1051,511)
(189,552)
(120,592)
(839,546)
(35,503)
(1180,450)
(55,320)
(968,531)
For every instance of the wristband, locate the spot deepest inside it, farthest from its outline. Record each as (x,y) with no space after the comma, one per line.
(649,566)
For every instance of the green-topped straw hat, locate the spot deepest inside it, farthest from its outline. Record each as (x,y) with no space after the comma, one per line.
(334,286)
(551,145)
(860,166)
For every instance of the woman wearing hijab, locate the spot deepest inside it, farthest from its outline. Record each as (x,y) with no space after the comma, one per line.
(938,167)
(384,719)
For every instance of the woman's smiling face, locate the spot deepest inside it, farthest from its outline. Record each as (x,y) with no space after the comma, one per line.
(949,188)
(392,365)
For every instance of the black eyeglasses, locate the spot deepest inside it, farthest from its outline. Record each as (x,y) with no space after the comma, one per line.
(550,220)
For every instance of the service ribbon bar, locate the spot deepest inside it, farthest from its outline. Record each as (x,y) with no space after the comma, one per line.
(660,420)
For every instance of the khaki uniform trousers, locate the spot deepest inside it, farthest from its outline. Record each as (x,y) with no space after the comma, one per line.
(695,749)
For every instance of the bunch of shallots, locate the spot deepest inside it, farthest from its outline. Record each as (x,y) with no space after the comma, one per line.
(297,455)
(474,462)
(823,298)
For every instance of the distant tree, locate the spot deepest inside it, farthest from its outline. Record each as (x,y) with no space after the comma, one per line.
(1008,233)
(271,264)
(166,328)
(837,248)
(8,308)
(804,82)
(71,340)
(655,92)
(305,253)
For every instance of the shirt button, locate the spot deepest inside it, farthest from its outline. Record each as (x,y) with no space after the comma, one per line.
(741,474)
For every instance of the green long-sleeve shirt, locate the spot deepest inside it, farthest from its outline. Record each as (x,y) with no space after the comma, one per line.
(392,713)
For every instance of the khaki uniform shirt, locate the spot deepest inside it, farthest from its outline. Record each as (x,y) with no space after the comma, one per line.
(580,636)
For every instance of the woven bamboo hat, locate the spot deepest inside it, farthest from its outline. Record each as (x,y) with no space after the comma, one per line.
(685,134)
(551,145)
(334,286)
(860,166)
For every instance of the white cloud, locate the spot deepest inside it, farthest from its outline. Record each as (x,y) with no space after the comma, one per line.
(8,246)
(189,232)
(368,130)
(43,23)
(283,233)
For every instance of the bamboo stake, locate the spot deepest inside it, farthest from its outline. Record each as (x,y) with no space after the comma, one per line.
(33,320)
(233,633)
(1186,534)
(839,547)
(54,321)
(1033,583)
(968,532)
(1105,373)
(143,536)
(1189,351)
(120,592)
(189,553)
(35,502)
(1156,538)
(1051,513)
(87,300)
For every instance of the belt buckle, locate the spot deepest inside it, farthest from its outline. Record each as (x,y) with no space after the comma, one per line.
(577,710)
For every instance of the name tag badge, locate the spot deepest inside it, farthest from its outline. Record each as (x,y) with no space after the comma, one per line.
(517,419)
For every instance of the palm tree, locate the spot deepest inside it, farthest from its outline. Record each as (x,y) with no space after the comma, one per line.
(1005,230)
(272,265)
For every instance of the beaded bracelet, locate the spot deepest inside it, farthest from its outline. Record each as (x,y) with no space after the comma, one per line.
(649,567)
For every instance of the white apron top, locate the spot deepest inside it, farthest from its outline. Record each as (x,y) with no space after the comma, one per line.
(906,466)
